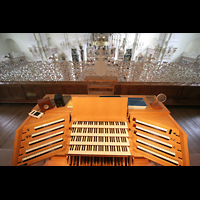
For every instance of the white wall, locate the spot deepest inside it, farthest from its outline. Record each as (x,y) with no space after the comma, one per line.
(194,45)
(21,41)
(3,47)
(185,40)
(148,39)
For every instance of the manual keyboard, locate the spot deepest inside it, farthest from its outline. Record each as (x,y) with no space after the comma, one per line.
(99,124)
(99,137)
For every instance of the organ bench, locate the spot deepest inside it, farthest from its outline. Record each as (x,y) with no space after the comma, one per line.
(101,131)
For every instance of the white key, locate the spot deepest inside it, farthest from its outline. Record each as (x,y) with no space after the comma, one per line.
(152,132)
(49,124)
(42,152)
(159,155)
(100,124)
(151,125)
(103,132)
(43,145)
(47,130)
(153,139)
(156,147)
(46,137)
(112,150)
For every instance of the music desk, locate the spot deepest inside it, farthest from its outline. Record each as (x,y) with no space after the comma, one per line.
(101,132)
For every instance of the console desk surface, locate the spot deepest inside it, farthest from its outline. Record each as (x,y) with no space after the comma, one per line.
(162,115)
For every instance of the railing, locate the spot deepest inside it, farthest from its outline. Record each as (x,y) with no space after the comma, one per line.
(131,71)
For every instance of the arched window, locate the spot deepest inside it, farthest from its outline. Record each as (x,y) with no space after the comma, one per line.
(194,46)
(12,45)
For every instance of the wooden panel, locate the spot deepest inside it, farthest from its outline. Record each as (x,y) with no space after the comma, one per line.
(99,108)
(124,89)
(172,92)
(101,85)
(53,89)
(117,90)
(65,89)
(79,89)
(12,91)
(33,91)
(139,90)
(30,91)
(108,78)
(191,93)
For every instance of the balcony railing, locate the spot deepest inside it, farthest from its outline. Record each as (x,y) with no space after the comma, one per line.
(126,71)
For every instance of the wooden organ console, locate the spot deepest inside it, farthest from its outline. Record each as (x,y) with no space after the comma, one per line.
(101,131)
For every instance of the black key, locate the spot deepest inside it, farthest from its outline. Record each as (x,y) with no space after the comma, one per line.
(95,159)
(77,161)
(98,160)
(115,161)
(81,159)
(70,161)
(87,160)
(74,160)
(91,160)
(84,160)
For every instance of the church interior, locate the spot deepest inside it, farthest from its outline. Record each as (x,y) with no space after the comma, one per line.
(100,99)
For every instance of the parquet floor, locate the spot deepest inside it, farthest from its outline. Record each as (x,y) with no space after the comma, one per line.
(11,117)
(188,117)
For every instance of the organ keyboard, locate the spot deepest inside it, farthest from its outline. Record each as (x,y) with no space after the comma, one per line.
(93,140)
(99,131)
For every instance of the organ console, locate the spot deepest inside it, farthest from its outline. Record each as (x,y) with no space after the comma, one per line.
(101,131)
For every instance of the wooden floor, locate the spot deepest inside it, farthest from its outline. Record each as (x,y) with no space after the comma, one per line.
(11,117)
(188,117)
